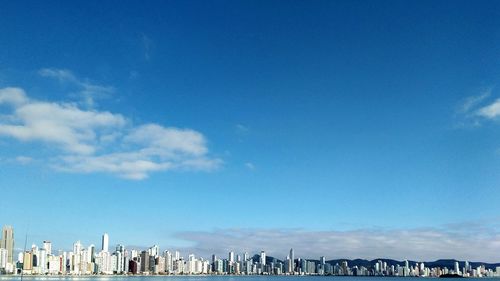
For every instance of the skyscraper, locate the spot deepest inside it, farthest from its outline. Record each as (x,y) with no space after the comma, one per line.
(154,251)
(91,251)
(120,248)
(292,258)
(77,248)
(105,242)
(48,247)
(7,241)
(145,261)
(263,257)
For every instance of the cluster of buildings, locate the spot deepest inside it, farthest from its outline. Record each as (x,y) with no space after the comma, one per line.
(91,260)
(381,268)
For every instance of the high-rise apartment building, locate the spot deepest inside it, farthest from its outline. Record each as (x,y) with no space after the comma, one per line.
(145,261)
(47,245)
(3,258)
(105,242)
(154,251)
(7,241)
(263,258)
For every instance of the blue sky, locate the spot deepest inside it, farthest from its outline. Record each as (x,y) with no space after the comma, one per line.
(162,121)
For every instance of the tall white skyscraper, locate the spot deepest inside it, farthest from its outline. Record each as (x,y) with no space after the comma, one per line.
(262,257)
(292,258)
(231,257)
(105,242)
(77,248)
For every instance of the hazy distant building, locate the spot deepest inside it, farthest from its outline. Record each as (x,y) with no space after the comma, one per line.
(47,245)
(105,242)
(7,241)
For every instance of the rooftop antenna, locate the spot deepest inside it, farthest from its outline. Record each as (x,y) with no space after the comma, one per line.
(24,252)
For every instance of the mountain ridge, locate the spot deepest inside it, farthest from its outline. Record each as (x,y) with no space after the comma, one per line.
(449,263)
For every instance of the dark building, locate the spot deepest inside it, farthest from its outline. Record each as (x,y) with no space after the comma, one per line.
(133,266)
(145,261)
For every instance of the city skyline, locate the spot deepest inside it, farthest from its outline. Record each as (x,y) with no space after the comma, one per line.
(339,127)
(83,260)
(308,247)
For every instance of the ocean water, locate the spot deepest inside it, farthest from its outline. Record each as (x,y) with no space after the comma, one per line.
(224,278)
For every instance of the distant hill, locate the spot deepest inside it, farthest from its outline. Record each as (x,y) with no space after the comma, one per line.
(449,263)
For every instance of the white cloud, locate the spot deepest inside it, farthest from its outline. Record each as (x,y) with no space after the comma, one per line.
(130,165)
(87,91)
(422,244)
(66,125)
(135,165)
(477,106)
(475,109)
(91,141)
(12,96)
(490,111)
(168,140)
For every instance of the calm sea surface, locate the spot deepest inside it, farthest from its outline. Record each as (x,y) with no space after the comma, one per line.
(228,278)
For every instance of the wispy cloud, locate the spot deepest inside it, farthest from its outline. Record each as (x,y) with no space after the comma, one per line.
(88,91)
(24,160)
(91,141)
(474,110)
(241,129)
(472,102)
(250,166)
(472,243)
(133,74)
(147,44)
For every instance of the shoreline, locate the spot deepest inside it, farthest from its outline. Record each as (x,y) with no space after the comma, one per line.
(197,276)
